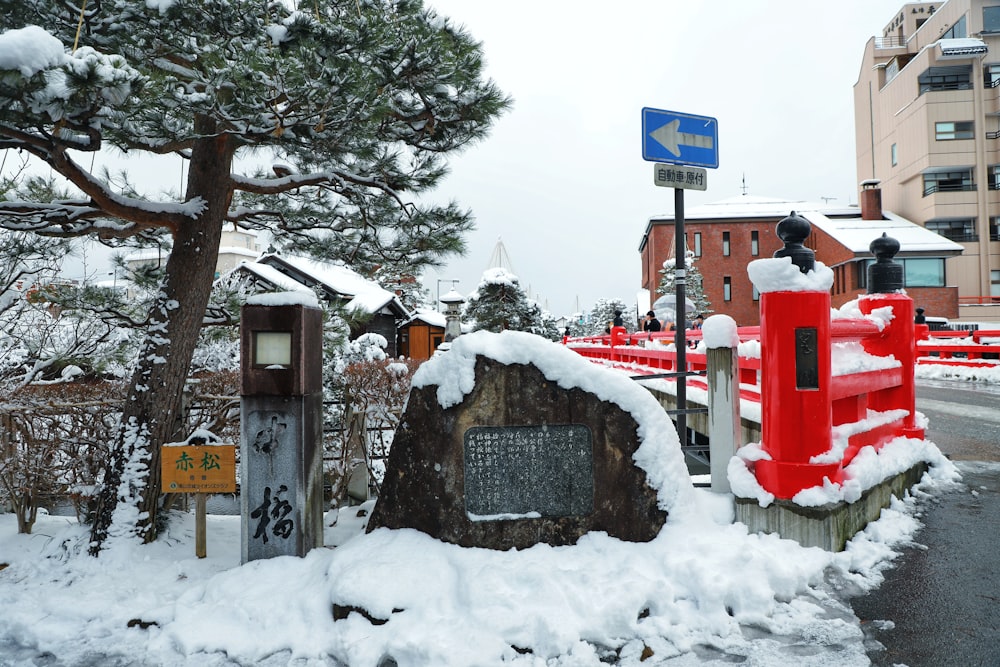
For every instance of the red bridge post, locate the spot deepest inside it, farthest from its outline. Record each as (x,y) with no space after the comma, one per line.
(796,412)
(885,285)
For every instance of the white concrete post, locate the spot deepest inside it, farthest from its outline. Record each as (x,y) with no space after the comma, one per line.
(723,397)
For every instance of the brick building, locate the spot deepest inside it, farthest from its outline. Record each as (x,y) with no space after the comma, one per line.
(727,235)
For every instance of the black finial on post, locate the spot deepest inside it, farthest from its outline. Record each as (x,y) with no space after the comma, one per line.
(884,276)
(793,230)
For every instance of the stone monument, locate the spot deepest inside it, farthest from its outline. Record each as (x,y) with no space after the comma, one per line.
(502,454)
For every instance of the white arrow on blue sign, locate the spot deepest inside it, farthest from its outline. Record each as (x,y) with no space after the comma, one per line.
(680,138)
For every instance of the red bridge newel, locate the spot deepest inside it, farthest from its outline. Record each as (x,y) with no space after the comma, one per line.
(796,413)
(885,284)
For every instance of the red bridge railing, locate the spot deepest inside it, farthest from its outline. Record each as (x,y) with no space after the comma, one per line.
(814,418)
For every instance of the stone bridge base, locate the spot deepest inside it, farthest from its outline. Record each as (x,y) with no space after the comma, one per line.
(829,527)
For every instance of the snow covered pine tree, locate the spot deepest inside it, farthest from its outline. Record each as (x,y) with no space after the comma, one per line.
(501,304)
(357,103)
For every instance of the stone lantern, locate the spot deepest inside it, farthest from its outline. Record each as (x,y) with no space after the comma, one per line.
(453,317)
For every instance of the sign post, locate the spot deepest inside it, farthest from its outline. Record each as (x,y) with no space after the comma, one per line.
(674,138)
(200,465)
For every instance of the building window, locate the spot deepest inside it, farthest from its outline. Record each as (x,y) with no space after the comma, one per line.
(923,272)
(755,293)
(697,244)
(991,19)
(956,229)
(995,285)
(945,78)
(754,243)
(725,244)
(951,130)
(893,155)
(727,288)
(991,75)
(959,30)
(861,273)
(955,180)
(891,69)
(995,228)
(917,272)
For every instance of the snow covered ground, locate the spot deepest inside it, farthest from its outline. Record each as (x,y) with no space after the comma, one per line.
(703,592)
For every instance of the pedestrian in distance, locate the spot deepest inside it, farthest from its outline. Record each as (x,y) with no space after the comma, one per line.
(698,321)
(650,323)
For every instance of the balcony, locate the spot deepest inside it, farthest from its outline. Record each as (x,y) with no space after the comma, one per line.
(890,42)
(932,188)
(991,96)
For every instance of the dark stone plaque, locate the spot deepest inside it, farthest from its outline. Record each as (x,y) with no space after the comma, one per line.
(806,358)
(528,471)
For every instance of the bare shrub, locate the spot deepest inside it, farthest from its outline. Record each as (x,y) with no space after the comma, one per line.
(375,393)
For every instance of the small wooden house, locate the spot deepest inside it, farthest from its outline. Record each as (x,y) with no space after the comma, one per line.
(421,335)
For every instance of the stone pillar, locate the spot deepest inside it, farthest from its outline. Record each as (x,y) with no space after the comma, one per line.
(281,433)
(723,399)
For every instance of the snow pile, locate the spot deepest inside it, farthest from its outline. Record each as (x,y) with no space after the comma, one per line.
(291,298)
(720,331)
(778,274)
(30,50)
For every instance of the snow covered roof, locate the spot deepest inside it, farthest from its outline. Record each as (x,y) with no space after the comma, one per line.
(338,281)
(237,250)
(856,234)
(962,47)
(150,254)
(428,316)
(747,206)
(842,223)
(271,275)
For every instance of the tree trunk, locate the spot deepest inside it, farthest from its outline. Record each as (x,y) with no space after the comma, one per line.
(128,500)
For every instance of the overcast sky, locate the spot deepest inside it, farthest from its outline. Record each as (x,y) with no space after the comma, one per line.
(561,179)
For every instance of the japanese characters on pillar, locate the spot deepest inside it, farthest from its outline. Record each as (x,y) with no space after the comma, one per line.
(281,426)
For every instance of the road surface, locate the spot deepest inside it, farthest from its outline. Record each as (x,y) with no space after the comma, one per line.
(939,606)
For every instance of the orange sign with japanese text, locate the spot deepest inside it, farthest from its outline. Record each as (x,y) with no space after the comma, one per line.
(198,468)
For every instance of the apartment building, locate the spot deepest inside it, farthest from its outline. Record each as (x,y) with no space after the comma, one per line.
(927,125)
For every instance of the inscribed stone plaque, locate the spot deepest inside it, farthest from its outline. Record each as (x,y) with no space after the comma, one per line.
(523,471)
(806,358)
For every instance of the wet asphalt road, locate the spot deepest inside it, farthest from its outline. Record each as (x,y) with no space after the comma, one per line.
(939,606)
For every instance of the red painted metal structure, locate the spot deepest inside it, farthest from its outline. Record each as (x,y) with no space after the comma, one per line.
(979,348)
(801,398)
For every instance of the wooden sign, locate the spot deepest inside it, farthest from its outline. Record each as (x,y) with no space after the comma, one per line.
(198,468)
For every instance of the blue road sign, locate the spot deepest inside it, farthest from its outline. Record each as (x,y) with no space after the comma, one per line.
(680,138)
